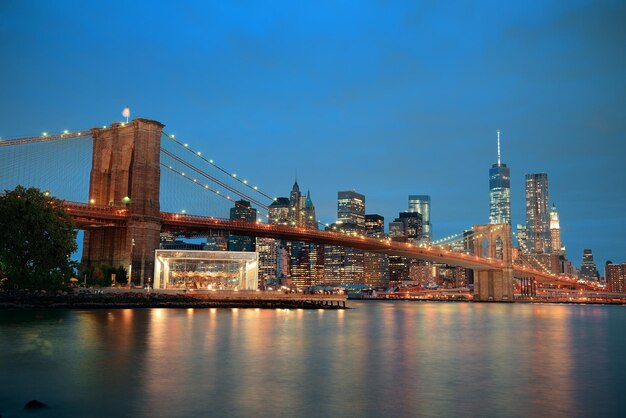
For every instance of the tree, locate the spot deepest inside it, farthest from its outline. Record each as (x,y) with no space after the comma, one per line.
(37,238)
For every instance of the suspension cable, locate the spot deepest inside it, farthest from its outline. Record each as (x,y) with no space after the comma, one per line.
(198,154)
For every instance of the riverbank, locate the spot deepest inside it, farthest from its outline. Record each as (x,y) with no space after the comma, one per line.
(144,299)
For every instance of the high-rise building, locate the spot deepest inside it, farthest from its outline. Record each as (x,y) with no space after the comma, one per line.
(297,202)
(537,214)
(279,211)
(242,211)
(421,205)
(351,209)
(555,232)
(499,192)
(616,277)
(375,265)
(522,238)
(588,269)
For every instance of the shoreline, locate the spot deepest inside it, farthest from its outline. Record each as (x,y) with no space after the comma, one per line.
(141,300)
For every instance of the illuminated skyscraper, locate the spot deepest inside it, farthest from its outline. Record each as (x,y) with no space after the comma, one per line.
(351,209)
(421,205)
(537,214)
(499,192)
(555,232)
(375,265)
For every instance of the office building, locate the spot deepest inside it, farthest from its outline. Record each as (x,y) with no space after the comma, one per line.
(242,211)
(537,214)
(351,209)
(616,277)
(499,192)
(421,205)
(588,269)
(375,265)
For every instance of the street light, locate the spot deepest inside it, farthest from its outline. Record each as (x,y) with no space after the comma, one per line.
(130,267)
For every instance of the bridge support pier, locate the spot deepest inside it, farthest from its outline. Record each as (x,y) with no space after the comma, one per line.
(125,173)
(493,285)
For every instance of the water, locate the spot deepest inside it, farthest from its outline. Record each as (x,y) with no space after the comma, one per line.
(391,359)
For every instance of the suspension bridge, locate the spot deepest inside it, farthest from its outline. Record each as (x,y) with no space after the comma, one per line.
(117,179)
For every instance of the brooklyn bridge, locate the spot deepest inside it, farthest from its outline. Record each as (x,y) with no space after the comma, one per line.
(122,218)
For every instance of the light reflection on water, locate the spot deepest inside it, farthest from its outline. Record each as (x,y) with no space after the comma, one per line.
(380,359)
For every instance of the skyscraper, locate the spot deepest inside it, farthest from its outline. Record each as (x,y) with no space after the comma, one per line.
(375,265)
(588,269)
(351,209)
(555,232)
(421,205)
(537,214)
(499,192)
(343,264)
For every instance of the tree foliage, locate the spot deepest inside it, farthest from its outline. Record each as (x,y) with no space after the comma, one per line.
(37,238)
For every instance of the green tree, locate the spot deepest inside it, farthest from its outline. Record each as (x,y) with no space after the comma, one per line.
(37,238)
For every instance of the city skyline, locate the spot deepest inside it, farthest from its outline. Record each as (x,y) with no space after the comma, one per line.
(389,101)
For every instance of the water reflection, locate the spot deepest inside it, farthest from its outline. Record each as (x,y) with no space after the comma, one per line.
(380,359)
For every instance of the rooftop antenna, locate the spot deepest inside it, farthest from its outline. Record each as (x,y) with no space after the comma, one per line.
(498,146)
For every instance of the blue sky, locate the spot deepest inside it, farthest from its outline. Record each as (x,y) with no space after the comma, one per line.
(386,98)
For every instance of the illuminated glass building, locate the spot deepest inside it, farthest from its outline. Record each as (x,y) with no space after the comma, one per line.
(537,214)
(421,205)
(499,192)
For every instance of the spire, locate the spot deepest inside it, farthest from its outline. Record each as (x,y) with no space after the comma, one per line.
(295,187)
(309,202)
(498,146)
(553,207)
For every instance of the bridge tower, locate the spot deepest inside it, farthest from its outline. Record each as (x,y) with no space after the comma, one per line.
(494,285)
(125,173)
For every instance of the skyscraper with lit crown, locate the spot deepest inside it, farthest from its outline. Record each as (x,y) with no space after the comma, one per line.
(499,191)
(555,232)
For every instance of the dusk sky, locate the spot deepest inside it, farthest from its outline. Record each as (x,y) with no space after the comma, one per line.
(385,98)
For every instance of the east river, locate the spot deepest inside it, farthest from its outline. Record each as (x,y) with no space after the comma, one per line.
(381,359)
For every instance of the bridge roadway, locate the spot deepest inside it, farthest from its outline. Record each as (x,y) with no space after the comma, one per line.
(88,216)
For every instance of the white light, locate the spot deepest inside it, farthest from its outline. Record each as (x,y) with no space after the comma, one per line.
(206,186)
(186,145)
(66,131)
(104,126)
(182,174)
(245,182)
(218,192)
(173,136)
(234,175)
(45,134)
(199,153)
(211,161)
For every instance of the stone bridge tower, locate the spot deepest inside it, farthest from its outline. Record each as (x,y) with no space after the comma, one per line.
(125,173)
(494,285)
